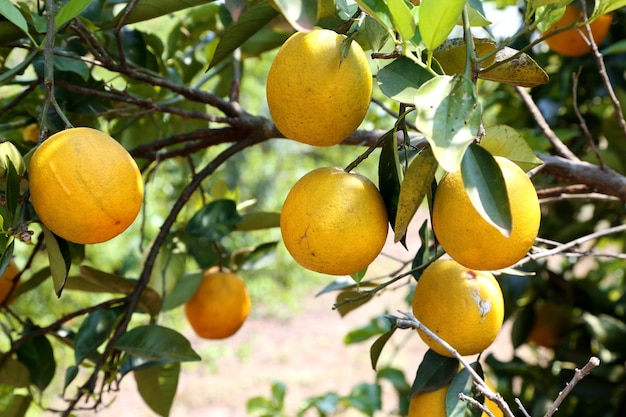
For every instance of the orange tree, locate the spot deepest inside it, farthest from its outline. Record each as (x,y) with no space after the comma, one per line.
(449,94)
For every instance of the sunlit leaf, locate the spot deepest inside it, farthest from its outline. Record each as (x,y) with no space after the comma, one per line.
(402,18)
(250,22)
(157,386)
(415,185)
(436,22)
(301,15)
(70,10)
(378,10)
(156,342)
(149,9)
(183,290)
(503,140)
(520,71)
(452,54)
(13,15)
(485,187)
(376,326)
(602,7)
(258,221)
(448,114)
(14,373)
(401,79)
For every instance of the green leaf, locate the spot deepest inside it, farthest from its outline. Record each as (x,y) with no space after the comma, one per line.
(183,290)
(12,193)
(258,221)
(19,406)
(75,65)
(301,15)
(461,383)
(70,375)
(93,280)
(448,114)
(149,9)
(390,175)
(415,185)
(255,258)
(347,307)
(59,257)
(486,189)
(452,54)
(38,356)
(377,35)
(10,155)
(93,331)
(401,79)
(14,373)
(521,71)
(378,10)
(377,325)
(6,398)
(434,372)
(156,342)
(436,21)
(70,10)
(358,276)
(503,140)
(250,22)
(13,15)
(402,18)
(602,7)
(609,331)
(157,386)
(342,283)
(365,398)
(215,220)
(377,347)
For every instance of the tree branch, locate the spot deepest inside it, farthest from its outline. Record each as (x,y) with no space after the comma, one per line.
(605,181)
(578,375)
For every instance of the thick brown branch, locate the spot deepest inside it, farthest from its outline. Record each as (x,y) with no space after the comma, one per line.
(605,181)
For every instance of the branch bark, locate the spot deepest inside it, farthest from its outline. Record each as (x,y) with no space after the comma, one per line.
(605,181)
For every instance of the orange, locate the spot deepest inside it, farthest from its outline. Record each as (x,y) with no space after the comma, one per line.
(433,403)
(84,186)
(571,43)
(473,242)
(314,96)
(220,305)
(334,222)
(463,307)
(7,285)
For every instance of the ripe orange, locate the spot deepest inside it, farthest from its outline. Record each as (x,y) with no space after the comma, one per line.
(463,307)
(314,96)
(433,403)
(220,305)
(334,222)
(6,283)
(571,43)
(84,185)
(473,242)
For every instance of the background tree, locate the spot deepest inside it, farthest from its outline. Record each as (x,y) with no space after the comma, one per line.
(182,95)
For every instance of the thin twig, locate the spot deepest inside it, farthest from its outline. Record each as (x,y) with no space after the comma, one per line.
(521,407)
(565,246)
(579,374)
(560,148)
(410,321)
(617,107)
(581,119)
